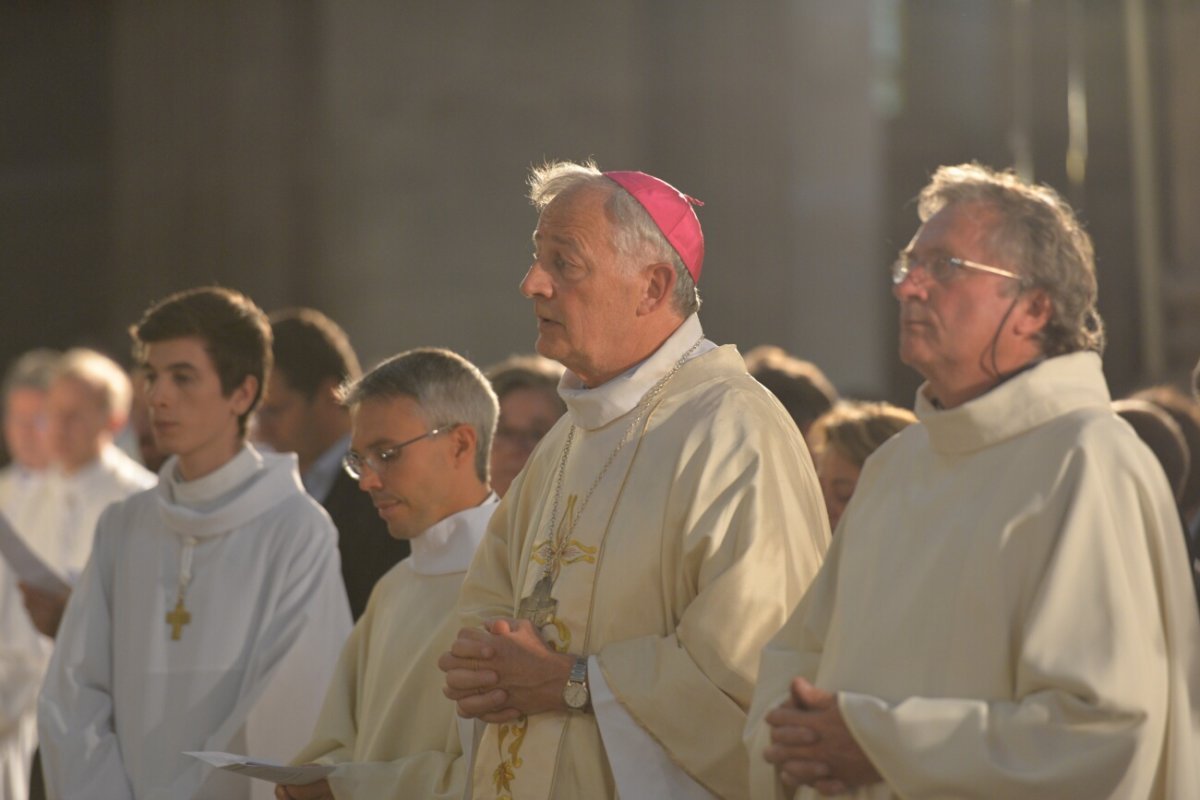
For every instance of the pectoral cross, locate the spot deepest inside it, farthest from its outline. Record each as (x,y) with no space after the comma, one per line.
(177,619)
(539,606)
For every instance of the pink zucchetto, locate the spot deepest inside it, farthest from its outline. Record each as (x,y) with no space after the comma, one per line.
(671,211)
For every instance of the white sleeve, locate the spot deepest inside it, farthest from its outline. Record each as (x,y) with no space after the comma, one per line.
(640,765)
(81,757)
(23,656)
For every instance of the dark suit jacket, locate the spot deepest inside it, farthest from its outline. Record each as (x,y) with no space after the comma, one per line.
(366,547)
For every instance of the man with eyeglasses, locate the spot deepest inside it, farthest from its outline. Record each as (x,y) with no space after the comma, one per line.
(422,427)
(1006,611)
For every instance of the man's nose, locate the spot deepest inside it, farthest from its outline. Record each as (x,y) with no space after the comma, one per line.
(368,479)
(913,287)
(535,283)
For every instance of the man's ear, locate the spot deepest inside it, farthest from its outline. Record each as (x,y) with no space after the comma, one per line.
(465,444)
(1036,310)
(658,287)
(243,394)
(115,423)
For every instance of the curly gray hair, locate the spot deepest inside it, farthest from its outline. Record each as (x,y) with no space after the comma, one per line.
(1040,234)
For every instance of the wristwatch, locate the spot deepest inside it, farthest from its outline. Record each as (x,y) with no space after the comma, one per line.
(575,693)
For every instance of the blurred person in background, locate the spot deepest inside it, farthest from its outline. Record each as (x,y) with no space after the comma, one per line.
(1186,413)
(527,387)
(25,436)
(23,651)
(842,439)
(87,403)
(1163,436)
(800,385)
(301,414)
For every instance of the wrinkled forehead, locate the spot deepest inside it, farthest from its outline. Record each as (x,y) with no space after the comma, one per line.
(579,216)
(957,229)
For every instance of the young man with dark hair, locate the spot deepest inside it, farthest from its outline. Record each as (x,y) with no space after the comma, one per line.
(212,603)
(301,413)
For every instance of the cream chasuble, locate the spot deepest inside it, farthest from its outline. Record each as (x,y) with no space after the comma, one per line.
(268,616)
(385,721)
(670,571)
(1006,610)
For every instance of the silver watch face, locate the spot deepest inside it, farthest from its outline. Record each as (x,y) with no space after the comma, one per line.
(575,695)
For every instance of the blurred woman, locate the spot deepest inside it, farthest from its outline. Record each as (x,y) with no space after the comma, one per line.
(841,440)
(527,388)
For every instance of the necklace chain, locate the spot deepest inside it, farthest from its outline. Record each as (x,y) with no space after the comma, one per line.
(643,407)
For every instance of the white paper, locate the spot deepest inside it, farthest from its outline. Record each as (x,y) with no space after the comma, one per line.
(263,770)
(28,565)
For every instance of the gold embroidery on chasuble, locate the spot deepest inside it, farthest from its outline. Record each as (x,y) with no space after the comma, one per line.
(551,555)
(518,759)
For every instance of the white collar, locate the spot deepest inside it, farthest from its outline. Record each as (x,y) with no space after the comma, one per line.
(1054,387)
(211,490)
(448,545)
(84,477)
(242,489)
(594,408)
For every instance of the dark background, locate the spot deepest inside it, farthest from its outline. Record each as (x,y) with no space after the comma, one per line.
(369,158)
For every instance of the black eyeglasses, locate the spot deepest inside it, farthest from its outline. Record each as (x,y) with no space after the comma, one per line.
(354,462)
(941,268)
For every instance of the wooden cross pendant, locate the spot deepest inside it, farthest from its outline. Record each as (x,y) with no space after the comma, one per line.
(177,619)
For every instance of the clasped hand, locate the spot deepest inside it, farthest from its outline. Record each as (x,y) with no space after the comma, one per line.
(811,745)
(504,671)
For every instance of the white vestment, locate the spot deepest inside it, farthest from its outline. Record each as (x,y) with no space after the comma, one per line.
(62,527)
(1006,611)
(696,544)
(386,723)
(23,651)
(123,700)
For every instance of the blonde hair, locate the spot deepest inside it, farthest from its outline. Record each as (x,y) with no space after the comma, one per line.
(102,375)
(857,429)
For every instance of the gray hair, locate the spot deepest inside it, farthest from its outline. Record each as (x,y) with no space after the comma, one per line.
(635,234)
(1040,234)
(448,388)
(101,374)
(32,370)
